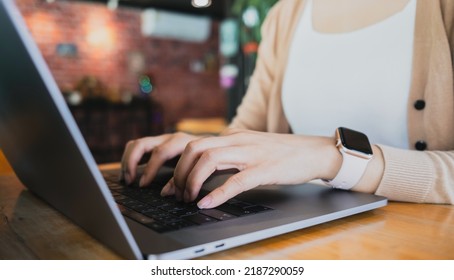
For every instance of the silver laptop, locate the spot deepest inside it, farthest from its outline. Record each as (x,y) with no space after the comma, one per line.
(45,147)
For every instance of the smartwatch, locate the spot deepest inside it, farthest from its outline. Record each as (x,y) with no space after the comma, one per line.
(356,153)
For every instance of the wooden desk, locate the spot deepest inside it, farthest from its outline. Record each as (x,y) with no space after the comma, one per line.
(30,229)
(5,168)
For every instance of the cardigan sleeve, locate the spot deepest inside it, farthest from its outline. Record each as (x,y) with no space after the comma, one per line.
(414,176)
(422,177)
(252,113)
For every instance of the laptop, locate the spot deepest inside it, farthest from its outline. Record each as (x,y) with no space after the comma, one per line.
(43,144)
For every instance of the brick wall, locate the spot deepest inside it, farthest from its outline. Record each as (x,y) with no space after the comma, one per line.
(105,39)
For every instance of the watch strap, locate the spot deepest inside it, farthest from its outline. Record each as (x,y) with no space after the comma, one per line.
(350,173)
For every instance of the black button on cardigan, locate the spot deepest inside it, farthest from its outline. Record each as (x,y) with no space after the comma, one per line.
(420,104)
(421,145)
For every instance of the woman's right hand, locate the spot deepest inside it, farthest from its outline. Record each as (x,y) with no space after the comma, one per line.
(163,148)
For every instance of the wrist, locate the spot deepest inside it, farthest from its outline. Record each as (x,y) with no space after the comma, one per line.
(356,154)
(332,159)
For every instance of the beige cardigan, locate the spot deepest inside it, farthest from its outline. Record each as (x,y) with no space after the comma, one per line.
(409,175)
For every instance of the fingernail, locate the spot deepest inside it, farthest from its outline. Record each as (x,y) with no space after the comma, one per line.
(205,202)
(165,190)
(142,181)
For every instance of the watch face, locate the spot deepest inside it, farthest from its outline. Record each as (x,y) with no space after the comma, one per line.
(354,140)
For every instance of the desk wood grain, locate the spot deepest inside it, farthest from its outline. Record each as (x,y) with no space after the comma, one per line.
(30,229)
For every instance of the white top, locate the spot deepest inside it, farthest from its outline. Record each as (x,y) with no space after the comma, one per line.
(359,79)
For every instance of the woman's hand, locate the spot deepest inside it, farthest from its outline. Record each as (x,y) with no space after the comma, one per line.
(261,158)
(163,148)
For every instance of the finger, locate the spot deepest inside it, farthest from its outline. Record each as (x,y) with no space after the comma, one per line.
(135,150)
(235,185)
(123,174)
(160,154)
(211,160)
(187,160)
(193,151)
(169,188)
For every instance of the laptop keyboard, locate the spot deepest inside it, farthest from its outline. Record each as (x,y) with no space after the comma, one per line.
(164,214)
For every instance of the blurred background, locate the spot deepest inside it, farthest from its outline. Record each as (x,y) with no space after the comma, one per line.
(134,68)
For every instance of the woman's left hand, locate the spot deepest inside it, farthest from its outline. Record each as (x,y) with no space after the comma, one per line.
(261,158)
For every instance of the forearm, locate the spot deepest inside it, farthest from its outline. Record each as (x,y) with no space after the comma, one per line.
(413,176)
(410,176)
(398,174)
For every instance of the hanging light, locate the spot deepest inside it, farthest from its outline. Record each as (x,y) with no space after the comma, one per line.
(201,3)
